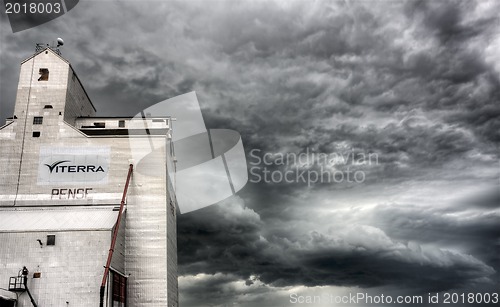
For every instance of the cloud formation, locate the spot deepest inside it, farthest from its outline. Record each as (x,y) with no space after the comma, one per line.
(416,82)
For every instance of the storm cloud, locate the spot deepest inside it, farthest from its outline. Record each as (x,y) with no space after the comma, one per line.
(415,82)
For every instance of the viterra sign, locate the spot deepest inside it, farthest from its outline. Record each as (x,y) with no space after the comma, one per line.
(59,167)
(73,165)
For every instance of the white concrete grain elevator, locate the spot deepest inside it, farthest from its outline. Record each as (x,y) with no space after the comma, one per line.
(63,175)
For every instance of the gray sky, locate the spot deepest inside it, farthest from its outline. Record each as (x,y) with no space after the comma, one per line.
(415,82)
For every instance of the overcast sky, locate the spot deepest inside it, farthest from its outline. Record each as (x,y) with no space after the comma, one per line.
(415,82)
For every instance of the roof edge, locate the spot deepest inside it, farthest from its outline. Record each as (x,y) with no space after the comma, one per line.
(37,53)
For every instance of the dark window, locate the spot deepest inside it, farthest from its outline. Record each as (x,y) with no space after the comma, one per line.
(37,120)
(121,123)
(51,239)
(48,106)
(36,134)
(119,290)
(44,74)
(7,303)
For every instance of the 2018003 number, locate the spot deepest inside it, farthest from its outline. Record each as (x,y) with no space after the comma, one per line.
(32,8)
(470,298)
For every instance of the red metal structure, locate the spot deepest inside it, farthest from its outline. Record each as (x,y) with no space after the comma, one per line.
(115,234)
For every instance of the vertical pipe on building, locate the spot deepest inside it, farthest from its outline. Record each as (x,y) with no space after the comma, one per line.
(25,282)
(115,234)
(24,129)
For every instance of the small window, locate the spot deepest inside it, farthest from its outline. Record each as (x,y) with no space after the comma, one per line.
(36,134)
(51,239)
(37,120)
(121,123)
(44,74)
(119,289)
(48,106)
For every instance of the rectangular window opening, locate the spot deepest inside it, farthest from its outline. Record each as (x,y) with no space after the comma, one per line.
(44,74)
(119,290)
(37,120)
(36,134)
(121,123)
(51,239)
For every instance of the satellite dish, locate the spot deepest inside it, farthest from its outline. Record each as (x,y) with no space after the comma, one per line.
(60,42)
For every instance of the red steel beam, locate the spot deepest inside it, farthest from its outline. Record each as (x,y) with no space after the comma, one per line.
(115,234)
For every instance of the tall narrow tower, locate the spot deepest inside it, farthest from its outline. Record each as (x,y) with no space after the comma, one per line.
(62,178)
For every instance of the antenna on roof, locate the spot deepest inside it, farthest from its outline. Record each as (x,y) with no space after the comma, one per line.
(41,46)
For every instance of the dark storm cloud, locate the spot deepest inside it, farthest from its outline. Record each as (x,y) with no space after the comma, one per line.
(385,78)
(443,228)
(446,20)
(230,239)
(474,216)
(135,74)
(487,199)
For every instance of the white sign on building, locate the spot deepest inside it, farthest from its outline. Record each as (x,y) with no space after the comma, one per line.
(73,165)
